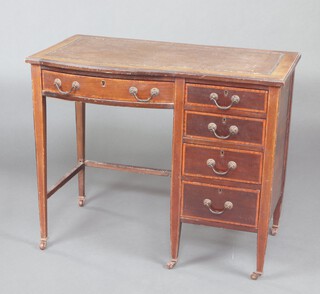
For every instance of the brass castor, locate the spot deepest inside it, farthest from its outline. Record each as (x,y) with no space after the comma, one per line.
(255,275)
(274,230)
(81,201)
(172,263)
(43,244)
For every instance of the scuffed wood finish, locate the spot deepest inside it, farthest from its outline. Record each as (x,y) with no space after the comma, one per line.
(186,75)
(40,132)
(108,89)
(126,56)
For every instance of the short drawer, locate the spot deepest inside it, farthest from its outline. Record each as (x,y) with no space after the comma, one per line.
(227,98)
(224,128)
(222,163)
(220,204)
(69,85)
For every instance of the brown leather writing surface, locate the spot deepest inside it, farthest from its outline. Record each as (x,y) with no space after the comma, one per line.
(123,55)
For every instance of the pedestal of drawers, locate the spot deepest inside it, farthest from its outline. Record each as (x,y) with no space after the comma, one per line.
(209,152)
(233,158)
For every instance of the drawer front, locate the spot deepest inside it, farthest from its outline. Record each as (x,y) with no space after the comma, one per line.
(220,204)
(225,97)
(109,89)
(222,163)
(224,128)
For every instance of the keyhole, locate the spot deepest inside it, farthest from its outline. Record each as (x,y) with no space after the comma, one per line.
(225,92)
(103,83)
(224,120)
(220,191)
(221,153)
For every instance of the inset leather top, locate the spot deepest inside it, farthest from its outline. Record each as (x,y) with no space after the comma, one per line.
(127,56)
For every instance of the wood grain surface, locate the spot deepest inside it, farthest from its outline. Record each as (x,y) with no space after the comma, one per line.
(251,131)
(248,163)
(107,88)
(250,99)
(105,68)
(245,203)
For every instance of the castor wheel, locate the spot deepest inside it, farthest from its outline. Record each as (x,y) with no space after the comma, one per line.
(255,275)
(81,201)
(172,263)
(274,230)
(43,244)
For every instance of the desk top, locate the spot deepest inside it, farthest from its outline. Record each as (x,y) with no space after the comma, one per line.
(127,56)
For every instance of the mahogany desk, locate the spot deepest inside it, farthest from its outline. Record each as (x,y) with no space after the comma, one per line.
(230,129)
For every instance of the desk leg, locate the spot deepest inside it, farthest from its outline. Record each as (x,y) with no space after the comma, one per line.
(175,202)
(266,193)
(262,238)
(40,132)
(80,126)
(276,217)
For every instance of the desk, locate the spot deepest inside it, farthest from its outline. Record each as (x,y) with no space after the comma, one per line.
(230,129)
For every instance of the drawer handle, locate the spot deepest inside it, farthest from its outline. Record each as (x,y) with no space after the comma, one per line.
(233,130)
(228,205)
(231,166)
(153,93)
(58,83)
(235,99)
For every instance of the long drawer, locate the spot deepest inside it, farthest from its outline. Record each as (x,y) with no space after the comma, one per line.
(220,204)
(224,128)
(222,163)
(134,91)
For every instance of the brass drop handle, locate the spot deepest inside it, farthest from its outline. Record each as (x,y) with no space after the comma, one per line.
(228,205)
(153,93)
(75,86)
(233,130)
(231,166)
(235,99)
